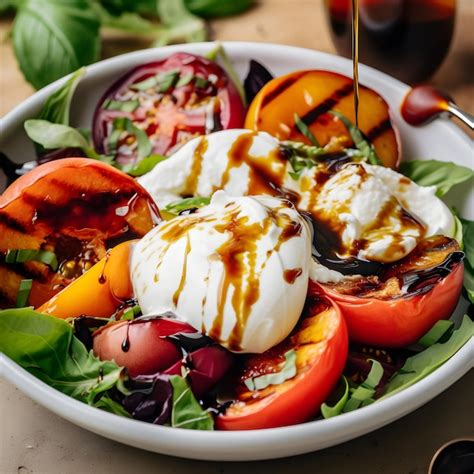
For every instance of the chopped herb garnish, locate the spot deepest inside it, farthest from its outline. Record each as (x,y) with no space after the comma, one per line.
(304,129)
(23,293)
(363,394)
(288,371)
(122,124)
(145,84)
(301,157)
(201,82)
(168,80)
(184,204)
(131,313)
(27,255)
(126,106)
(366,148)
(330,411)
(185,80)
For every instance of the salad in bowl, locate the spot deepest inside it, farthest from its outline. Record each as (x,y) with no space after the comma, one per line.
(231,256)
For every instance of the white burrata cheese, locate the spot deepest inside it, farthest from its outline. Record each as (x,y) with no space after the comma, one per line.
(237,270)
(363,203)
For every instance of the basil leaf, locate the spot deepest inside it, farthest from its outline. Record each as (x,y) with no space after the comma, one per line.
(330,411)
(366,148)
(57,106)
(187,412)
(144,166)
(179,23)
(444,175)
(53,38)
(304,129)
(182,205)
(27,255)
(287,371)
(217,8)
(436,333)
(425,362)
(123,106)
(45,346)
(54,135)
(185,80)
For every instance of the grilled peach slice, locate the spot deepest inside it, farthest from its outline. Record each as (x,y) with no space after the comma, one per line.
(311,95)
(76,208)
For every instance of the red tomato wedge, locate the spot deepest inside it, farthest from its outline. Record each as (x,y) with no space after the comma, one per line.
(321,344)
(403,304)
(172,101)
(76,208)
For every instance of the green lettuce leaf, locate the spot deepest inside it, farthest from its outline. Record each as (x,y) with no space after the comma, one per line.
(444,175)
(46,347)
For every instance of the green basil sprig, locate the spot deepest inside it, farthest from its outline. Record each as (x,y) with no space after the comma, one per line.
(188,203)
(304,129)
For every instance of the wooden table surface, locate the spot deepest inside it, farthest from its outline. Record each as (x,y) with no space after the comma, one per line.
(35,440)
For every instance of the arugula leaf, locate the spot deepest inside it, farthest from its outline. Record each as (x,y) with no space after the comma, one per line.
(188,203)
(53,38)
(330,411)
(46,347)
(442,174)
(425,362)
(187,412)
(57,106)
(287,371)
(304,129)
(366,148)
(180,23)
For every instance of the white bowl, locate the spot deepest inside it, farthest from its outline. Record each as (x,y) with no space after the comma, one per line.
(440,140)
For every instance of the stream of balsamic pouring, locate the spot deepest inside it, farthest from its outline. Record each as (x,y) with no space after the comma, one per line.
(355,57)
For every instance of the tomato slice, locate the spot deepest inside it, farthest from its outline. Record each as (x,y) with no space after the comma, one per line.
(172,101)
(401,305)
(75,207)
(311,95)
(321,344)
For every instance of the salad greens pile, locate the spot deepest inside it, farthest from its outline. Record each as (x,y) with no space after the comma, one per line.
(47,348)
(52,38)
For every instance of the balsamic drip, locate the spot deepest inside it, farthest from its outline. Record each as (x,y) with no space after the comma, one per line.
(422,281)
(126,342)
(325,245)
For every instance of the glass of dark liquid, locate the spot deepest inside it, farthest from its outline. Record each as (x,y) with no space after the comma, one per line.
(407,39)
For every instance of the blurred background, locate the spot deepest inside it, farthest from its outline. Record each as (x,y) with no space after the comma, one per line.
(391,37)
